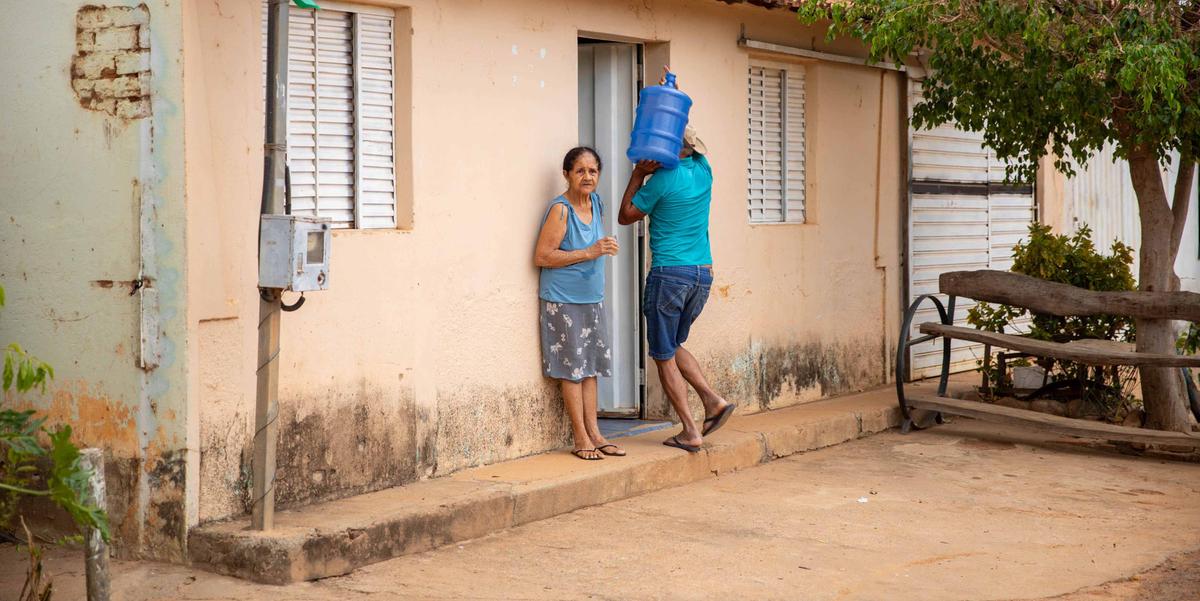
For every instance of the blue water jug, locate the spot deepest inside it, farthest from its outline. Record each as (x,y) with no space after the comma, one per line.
(662,114)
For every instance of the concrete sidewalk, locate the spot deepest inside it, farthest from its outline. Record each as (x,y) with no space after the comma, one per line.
(333,538)
(966,510)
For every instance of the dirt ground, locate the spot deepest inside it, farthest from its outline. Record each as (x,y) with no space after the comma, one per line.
(1177,579)
(951,513)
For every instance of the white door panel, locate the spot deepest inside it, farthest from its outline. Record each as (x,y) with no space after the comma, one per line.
(607,96)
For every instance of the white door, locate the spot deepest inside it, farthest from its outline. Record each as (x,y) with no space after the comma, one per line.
(608,85)
(961,217)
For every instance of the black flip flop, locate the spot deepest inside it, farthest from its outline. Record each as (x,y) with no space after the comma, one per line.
(618,453)
(718,420)
(674,442)
(579,453)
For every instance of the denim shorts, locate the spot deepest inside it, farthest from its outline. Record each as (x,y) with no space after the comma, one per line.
(674,298)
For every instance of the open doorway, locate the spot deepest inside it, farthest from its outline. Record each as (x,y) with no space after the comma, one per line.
(609,80)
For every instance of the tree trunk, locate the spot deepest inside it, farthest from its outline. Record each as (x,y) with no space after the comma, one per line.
(1162,389)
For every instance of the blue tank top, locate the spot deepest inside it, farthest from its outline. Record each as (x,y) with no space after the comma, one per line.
(581,283)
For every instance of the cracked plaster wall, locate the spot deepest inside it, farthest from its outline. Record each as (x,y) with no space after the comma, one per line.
(93,203)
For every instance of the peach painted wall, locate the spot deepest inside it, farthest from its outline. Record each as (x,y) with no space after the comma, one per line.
(423,358)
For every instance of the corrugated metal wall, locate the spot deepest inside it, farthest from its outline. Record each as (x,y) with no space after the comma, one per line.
(961,217)
(1101,196)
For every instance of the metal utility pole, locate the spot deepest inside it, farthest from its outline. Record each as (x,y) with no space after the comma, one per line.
(262,514)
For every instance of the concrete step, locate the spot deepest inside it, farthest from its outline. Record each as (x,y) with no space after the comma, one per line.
(334,538)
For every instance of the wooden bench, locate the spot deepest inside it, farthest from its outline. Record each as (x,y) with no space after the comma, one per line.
(1043,297)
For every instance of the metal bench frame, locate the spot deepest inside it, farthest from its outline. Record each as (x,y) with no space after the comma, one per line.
(946,313)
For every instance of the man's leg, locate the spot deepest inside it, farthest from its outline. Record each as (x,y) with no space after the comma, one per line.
(663,306)
(690,369)
(676,389)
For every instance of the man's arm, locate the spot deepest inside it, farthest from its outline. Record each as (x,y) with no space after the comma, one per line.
(629,212)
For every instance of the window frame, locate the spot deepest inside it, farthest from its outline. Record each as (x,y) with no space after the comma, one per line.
(355,14)
(786,71)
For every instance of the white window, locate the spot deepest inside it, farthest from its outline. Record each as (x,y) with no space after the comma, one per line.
(341,125)
(775,165)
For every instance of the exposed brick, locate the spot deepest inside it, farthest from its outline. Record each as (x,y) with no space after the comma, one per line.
(110,71)
(117,38)
(128,15)
(93,17)
(83,87)
(133,109)
(120,87)
(133,62)
(85,41)
(94,66)
(108,105)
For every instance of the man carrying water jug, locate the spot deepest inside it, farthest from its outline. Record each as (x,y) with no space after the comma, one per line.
(677,201)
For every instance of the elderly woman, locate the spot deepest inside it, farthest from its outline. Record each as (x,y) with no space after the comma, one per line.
(574,331)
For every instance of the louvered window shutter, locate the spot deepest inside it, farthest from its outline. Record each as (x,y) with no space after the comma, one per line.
(795,151)
(775,143)
(340,116)
(376,123)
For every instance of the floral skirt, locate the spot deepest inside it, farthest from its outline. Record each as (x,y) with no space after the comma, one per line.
(575,340)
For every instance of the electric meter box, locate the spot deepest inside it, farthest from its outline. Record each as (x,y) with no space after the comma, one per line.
(293,253)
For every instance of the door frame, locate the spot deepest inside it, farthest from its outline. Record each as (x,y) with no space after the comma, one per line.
(640,350)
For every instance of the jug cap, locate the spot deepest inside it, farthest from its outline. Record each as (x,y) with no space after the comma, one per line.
(670,80)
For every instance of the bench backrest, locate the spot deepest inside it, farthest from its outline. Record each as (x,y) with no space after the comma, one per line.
(1040,296)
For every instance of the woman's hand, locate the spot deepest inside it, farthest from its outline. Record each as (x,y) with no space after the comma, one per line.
(644,168)
(605,246)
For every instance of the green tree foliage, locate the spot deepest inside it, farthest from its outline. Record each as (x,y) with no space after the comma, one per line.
(1039,75)
(27,445)
(1062,79)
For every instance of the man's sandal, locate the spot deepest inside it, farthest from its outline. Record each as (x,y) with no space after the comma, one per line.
(712,423)
(674,442)
(580,454)
(619,452)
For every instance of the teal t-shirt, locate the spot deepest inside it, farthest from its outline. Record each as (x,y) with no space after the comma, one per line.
(677,201)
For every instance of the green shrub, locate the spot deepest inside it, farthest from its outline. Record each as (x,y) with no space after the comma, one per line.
(1189,343)
(1074,260)
(1069,260)
(27,445)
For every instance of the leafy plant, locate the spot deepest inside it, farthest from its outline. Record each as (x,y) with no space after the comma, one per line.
(1069,260)
(1189,342)
(27,445)
(1074,260)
